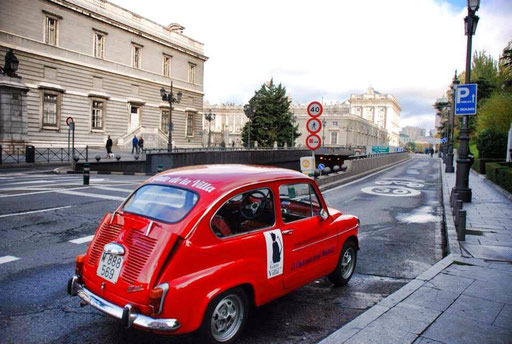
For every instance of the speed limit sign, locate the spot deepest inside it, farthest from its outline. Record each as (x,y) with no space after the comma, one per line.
(313,142)
(315,109)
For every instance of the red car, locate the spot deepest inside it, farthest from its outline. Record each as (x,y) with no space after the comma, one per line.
(194,248)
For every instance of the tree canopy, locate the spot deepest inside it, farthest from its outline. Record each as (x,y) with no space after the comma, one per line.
(271,119)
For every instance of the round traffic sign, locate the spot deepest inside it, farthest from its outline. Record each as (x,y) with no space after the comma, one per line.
(315,109)
(69,120)
(321,166)
(313,125)
(313,142)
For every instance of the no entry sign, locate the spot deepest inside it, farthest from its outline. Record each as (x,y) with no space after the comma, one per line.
(314,125)
(315,109)
(313,142)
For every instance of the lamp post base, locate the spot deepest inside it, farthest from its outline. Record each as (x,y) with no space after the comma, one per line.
(465,194)
(449,163)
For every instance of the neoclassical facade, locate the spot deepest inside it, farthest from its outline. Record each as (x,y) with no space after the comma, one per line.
(103,66)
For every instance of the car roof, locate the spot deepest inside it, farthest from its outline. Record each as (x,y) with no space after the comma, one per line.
(220,178)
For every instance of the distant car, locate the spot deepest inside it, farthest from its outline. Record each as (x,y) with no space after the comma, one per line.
(194,248)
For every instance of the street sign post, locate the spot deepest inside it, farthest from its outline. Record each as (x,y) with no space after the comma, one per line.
(465,99)
(314,125)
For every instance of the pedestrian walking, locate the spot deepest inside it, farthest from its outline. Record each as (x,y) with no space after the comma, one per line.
(135,144)
(108,146)
(141,143)
(431,152)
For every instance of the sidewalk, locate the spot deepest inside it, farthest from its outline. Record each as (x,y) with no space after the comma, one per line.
(464,298)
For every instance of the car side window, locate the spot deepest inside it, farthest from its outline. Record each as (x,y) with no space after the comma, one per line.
(298,201)
(245,212)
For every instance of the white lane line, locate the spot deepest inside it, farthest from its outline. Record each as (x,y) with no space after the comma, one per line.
(365,177)
(85,194)
(82,240)
(7,259)
(112,189)
(36,211)
(33,182)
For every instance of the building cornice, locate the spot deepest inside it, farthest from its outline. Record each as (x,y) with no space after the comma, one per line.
(75,7)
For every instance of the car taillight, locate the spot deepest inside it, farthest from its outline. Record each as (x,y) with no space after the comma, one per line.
(155,299)
(79,264)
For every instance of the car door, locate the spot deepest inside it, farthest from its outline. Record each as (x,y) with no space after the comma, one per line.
(309,241)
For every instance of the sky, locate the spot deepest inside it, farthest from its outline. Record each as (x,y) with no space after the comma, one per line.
(329,49)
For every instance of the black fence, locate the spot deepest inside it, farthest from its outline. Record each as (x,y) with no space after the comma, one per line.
(217,149)
(30,154)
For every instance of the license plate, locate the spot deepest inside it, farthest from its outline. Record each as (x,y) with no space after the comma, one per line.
(110,266)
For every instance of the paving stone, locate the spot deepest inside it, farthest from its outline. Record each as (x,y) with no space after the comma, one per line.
(378,334)
(408,318)
(401,293)
(476,272)
(425,340)
(431,298)
(456,284)
(498,290)
(504,319)
(476,309)
(449,328)
(505,266)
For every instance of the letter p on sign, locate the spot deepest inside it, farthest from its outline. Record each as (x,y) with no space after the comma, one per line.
(462,92)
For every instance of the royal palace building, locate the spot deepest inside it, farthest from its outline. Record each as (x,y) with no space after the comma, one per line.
(103,66)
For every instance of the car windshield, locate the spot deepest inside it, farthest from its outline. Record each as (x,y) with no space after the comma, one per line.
(161,202)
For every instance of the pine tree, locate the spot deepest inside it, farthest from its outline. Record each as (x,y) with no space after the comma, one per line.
(271,118)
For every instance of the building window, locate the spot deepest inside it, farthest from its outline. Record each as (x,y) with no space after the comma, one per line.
(335,124)
(51,31)
(191,72)
(136,56)
(165,121)
(99,45)
(167,66)
(334,137)
(50,110)
(190,124)
(97,115)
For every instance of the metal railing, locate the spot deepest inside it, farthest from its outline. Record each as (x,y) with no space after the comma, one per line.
(42,155)
(218,149)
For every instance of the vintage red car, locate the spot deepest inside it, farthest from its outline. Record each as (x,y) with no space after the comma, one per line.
(194,248)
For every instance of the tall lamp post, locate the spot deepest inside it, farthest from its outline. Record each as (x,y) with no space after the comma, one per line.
(249,112)
(209,117)
(464,161)
(324,122)
(169,97)
(451,134)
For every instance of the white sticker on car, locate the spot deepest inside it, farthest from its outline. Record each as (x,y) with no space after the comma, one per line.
(274,242)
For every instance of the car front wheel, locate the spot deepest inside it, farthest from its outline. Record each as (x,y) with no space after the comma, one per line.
(346,265)
(225,317)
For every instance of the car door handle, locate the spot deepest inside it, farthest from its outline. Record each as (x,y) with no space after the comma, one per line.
(287,232)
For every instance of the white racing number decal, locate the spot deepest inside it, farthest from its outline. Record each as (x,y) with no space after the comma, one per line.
(275,254)
(391,191)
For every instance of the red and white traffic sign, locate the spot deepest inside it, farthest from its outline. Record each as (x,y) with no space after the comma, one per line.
(69,120)
(313,142)
(313,125)
(315,109)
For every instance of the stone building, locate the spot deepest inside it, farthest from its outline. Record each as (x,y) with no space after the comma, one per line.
(227,125)
(413,132)
(381,109)
(104,66)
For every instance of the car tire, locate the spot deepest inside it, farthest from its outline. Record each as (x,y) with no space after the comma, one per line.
(225,317)
(346,265)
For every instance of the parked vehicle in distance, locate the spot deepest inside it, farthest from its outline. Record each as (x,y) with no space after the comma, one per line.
(194,248)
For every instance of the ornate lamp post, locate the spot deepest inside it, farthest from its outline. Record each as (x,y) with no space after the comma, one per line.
(11,64)
(249,112)
(209,117)
(464,162)
(324,122)
(449,158)
(169,97)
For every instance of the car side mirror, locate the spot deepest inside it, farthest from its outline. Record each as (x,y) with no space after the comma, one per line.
(323,215)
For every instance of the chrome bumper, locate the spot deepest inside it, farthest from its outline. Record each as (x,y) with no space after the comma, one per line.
(126,314)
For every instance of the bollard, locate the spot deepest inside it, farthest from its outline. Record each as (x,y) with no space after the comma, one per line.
(461,226)
(160,168)
(86,173)
(458,207)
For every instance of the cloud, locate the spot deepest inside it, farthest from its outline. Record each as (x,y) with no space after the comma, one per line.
(332,48)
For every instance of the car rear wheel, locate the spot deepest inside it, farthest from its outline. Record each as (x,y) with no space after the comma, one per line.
(225,317)
(346,265)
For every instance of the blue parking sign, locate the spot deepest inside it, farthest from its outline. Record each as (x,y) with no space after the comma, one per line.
(465,99)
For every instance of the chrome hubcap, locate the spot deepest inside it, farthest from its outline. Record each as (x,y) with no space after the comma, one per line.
(347,263)
(227,318)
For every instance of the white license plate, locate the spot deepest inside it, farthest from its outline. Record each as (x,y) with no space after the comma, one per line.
(109,267)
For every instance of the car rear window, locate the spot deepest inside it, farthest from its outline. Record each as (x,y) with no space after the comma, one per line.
(161,202)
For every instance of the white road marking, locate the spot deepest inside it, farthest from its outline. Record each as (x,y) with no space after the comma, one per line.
(35,211)
(7,259)
(391,191)
(85,194)
(112,189)
(33,182)
(82,240)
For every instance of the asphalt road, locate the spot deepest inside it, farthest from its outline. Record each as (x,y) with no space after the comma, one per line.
(40,213)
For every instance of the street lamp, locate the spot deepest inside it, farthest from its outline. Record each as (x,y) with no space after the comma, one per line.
(324,122)
(249,112)
(449,158)
(169,97)
(293,129)
(11,64)
(464,162)
(209,117)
